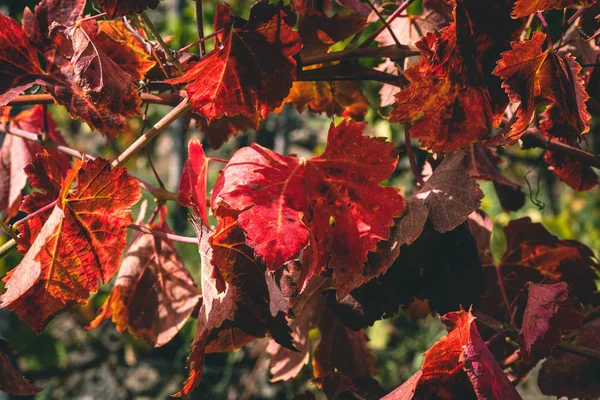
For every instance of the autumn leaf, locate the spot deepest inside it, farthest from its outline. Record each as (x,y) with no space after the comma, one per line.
(333,201)
(458,366)
(221,129)
(548,314)
(535,78)
(319,31)
(37,24)
(80,242)
(154,294)
(11,381)
(192,187)
(253,67)
(16,153)
(447,199)
(285,363)
(579,176)
(341,349)
(19,66)
(570,375)
(119,8)
(524,8)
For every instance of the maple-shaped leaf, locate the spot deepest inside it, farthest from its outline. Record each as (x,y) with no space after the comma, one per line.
(333,201)
(482,163)
(319,31)
(37,24)
(16,153)
(80,242)
(524,8)
(252,68)
(19,65)
(343,98)
(307,309)
(571,375)
(11,381)
(579,176)
(192,187)
(107,84)
(154,294)
(548,314)
(447,199)
(125,48)
(341,349)
(221,129)
(119,8)
(445,116)
(535,78)
(458,366)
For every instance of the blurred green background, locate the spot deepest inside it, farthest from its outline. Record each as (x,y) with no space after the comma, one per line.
(71,362)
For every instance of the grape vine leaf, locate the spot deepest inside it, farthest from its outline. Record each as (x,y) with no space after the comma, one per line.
(253,67)
(218,131)
(570,375)
(78,245)
(16,153)
(11,381)
(458,366)
(192,187)
(333,202)
(579,176)
(535,78)
(524,8)
(446,200)
(154,294)
(549,312)
(119,8)
(36,24)
(19,66)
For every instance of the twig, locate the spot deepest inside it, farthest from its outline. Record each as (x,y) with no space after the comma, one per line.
(385,23)
(200,23)
(8,247)
(533,137)
(201,41)
(389,20)
(411,156)
(35,213)
(164,235)
(161,42)
(160,126)
(546,28)
(391,51)
(32,99)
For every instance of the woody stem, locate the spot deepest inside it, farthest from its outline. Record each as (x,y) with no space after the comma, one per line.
(161,42)
(411,156)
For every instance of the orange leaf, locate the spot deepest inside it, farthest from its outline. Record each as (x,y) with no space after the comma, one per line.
(119,8)
(78,245)
(524,8)
(252,68)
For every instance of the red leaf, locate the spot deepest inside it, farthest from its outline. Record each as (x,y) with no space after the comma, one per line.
(548,314)
(447,199)
(36,24)
(572,375)
(335,198)
(220,130)
(16,153)
(11,381)
(19,66)
(252,69)
(78,245)
(192,187)
(119,8)
(524,8)
(535,77)
(579,176)
(456,366)
(154,293)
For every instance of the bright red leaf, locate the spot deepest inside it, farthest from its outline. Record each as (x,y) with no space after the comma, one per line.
(11,381)
(154,294)
(16,153)
(192,187)
(548,314)
(334,202)
(78,245)
(524,8)
(252,68)
(36,24)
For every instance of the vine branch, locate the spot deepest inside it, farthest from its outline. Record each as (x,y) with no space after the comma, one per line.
(533,137)
(168,52)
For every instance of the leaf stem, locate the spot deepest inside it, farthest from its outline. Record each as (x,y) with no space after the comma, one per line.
(171,99)
(91,18)
(8,247)
(544,23)
(385,23)
(164,235)
(411,156)
(391,51)
(151,133)
(201,41)
(200,23)
(35,213)
(161,42)
(533,137)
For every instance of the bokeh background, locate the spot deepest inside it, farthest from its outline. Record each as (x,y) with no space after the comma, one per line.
(72,363)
